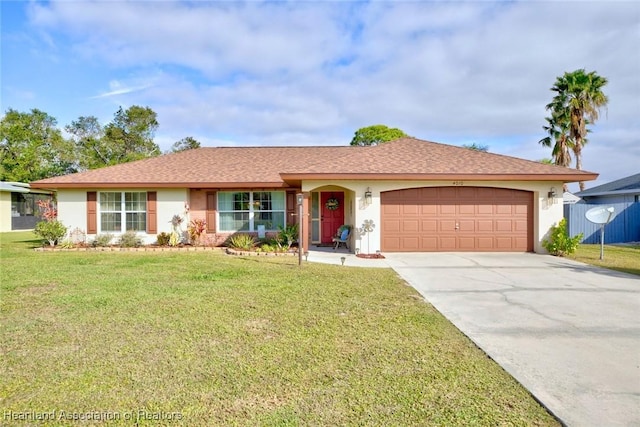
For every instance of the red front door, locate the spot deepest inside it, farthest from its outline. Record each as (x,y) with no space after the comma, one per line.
(331,219)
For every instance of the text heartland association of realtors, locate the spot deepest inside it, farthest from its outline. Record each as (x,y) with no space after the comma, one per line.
(61,415)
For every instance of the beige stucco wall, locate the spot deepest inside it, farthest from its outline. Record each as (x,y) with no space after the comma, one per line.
(72,209)
(5,211)
(545,212)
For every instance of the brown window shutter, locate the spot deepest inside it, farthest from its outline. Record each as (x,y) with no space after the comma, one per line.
(211,212)
(152,212)
(292,204)
(92,217)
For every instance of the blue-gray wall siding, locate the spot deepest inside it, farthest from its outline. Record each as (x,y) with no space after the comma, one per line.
(625,227)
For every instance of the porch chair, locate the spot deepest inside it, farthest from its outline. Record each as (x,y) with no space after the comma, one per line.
(342,237)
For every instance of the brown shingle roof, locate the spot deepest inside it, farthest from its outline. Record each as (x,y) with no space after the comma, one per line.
(403,159)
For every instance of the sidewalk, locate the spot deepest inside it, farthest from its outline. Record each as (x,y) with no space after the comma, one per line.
(326,255)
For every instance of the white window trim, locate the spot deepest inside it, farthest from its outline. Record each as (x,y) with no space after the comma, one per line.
(252,212)
(123,212)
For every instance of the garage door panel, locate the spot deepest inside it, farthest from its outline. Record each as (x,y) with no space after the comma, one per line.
(484,225)
(447,225)
(488,219)
(391,226)
(521,225)
(410,210)
(466,243)
(466,225)
(391,210)
(503,225)
(444,192)
(430,209)
(447,243)
(429,226)
(503,209)
(484,209)
(447,209)
(467,193)
(484,243)
(520,242)
(520,209)
(410,226)
(429,243)
(411,244)
(503,243)
(467,210)
(392,244)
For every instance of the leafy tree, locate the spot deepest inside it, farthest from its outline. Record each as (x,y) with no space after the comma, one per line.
(375,135)
(476,147)
(577,103)
(128,137)
(185,144)
(32,147)
(87,133)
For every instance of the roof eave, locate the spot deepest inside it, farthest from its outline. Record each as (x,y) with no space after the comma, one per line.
(291,177)
(202,185)
(609,193)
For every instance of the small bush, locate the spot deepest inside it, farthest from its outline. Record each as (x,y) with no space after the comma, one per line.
(163,239)
(174,238)
(559,242)
(241,241)
(268,248)
(51,231)
(102,240)
(287,236)
(195,229)
(130,240)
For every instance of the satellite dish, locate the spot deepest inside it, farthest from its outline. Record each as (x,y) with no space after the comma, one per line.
(600,215)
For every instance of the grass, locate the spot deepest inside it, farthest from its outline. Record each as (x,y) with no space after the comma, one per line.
(209,339)
(620,258)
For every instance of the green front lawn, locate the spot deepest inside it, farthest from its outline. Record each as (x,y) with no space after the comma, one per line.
(620,258)
(218,340)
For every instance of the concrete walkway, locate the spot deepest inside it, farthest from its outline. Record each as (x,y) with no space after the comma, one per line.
(569,332)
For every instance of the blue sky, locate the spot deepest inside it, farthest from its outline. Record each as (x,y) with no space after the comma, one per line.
(300,73)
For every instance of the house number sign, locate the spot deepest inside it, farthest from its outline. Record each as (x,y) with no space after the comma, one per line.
(458,182)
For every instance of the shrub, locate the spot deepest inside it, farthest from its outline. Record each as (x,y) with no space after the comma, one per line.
(268,248)
(241,241)
(195,229)
(163,239)
(130,240)
(559,242)
(51,231)
(174,238)
(102,240)
(287,236)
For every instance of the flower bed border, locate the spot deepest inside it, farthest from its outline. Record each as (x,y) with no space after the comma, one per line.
(138,249)
(230,251)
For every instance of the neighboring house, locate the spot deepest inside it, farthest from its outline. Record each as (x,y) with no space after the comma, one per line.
(624,196)
(19,206)
(420,196)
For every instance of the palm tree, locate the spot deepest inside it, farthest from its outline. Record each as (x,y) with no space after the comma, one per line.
(557,129)
(578,100)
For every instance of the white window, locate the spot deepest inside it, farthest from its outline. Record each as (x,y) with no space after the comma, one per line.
(246,210)
(123,211)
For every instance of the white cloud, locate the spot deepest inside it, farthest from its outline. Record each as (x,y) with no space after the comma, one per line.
(312,73)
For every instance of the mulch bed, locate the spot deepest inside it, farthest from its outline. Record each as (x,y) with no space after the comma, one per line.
(370,256)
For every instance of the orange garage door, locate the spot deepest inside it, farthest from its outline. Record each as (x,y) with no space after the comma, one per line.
(438,219)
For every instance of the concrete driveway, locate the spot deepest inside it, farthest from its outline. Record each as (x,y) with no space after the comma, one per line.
(570,333)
